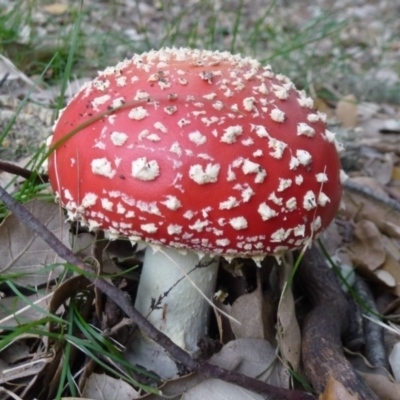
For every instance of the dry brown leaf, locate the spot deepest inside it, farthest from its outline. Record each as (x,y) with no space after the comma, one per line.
(394,361)
(385,277)
(335,390)
(66,290)
(392,267)
(362,207)
(321,105)
(82,245)
(15,310)
(382,143)
(250,310)
(367,248)
(391,247)
(23,252)
(216,389)
(7,68)
(370,183)
(382,386)
(174,388)
(396,173)
(367,110)
(27,369)
(224,324)
(346,111)
(380,168)
(252,357)
(18,361)
(247,309)
(105,387)
(55,9)
(288,331)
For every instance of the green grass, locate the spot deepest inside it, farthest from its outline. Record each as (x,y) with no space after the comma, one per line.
(290,50)
(297,51)
(73,50)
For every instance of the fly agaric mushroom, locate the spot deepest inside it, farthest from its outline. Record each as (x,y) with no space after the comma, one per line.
(196,153)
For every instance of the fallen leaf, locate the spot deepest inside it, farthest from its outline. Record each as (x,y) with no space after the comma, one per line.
(288,331)
(249,310)
(391,126)
(367,248)
(27,364)
(382,386)
(24,252)
(216,389)
(105,387)
(396,173)
(394,361)
(7,68)
(173,389)
(367,110)
(385,277)
(252,357)
(55,9)
(335,390)
(380,168)
(346,111)
(391,247)
(16,310)
(370,183)
(321,105)
(65,291)
(392,266)
(360,207)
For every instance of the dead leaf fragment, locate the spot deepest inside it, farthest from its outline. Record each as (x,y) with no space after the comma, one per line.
(55,9)
(252,357)
(7,68)
(367,249)
(386,277)
(216,389)
(16,310)
(23,252)
(346,111)
(289,335)
(396,173)
(251,311)
(104,387)
(382,386)
(321,105)
(394,360)
(380,168)
(335,390)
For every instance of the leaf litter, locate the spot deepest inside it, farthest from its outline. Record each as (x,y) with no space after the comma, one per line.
(367,238)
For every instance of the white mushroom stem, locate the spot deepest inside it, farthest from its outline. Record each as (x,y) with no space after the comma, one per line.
(179,284)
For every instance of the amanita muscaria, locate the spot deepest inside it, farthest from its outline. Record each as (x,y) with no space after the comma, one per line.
(197,153)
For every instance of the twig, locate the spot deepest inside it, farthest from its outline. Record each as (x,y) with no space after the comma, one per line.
(374,348)
(22,172)
(4,78)
(384,199)
(269,392)
(325,324)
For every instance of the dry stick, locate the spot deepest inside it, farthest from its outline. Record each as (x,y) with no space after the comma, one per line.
(374,348)
(366,191)
(22,172)
(269,392)
(323,327)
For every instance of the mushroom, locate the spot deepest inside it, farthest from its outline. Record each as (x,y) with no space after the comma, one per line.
(199,154)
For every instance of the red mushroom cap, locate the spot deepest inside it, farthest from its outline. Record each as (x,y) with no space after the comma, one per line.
(197,149)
